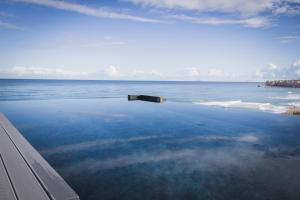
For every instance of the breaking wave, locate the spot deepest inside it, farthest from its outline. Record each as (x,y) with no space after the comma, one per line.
(267,107)
(297,104)
(291,96)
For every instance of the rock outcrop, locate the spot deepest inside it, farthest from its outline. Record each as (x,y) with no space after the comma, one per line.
(284,83)
(293,110)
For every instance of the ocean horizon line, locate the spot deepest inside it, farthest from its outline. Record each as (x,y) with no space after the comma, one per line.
(123,80)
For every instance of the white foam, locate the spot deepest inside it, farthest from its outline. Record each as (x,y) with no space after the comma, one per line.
(290,92)
(291,96)
(249,105)
(297,104)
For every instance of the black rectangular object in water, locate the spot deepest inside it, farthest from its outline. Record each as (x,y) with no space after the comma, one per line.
(146,98)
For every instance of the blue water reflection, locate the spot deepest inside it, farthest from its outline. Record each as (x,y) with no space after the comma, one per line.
(115,149)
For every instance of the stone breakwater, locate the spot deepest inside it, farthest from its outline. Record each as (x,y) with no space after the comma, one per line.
(284,83)
(292,110)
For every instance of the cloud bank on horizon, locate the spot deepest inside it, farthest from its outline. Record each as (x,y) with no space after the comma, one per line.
(150,39)
(272,71)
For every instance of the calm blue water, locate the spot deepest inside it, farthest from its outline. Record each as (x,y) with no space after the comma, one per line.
(208,141)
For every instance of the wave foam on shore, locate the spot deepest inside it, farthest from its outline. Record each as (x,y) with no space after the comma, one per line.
(267,107)
(291,96)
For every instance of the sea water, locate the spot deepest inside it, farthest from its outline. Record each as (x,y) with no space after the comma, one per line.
(210,140)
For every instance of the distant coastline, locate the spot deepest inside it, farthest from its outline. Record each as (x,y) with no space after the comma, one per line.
(283,83)
(293,110)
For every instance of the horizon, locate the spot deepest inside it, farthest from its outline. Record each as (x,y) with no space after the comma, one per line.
(123,80)
(157,40)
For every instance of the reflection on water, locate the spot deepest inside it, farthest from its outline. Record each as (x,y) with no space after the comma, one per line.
(114,149)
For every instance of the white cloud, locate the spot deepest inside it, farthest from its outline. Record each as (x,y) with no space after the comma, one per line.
(107,38)
(97,44)
(192,72)
(216,72)
(289,39)
(272,66)
(86,10)
(287,9)
(146,75)
(187,74)
(294,69)
(205,74)
(6,25)
(274,72)
(253,13)
(229,6)
(142,72)
(242,7)
(111,41)
(270,71)
(102,44)
(39,72)
(118,43)
(112,72)
(5,14)
(254,22)
(296,63)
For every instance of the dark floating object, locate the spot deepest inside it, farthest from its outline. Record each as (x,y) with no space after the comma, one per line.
(146,98)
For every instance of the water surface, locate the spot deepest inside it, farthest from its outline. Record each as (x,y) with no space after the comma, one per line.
(108,148)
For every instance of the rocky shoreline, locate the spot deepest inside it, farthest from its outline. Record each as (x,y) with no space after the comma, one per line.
(293,110)
(284,83)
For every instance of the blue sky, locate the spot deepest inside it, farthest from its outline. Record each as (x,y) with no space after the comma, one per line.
(218,40)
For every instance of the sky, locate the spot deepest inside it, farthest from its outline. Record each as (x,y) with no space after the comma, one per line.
(185,40)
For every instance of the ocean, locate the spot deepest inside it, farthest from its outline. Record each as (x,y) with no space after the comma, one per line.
(209,140)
